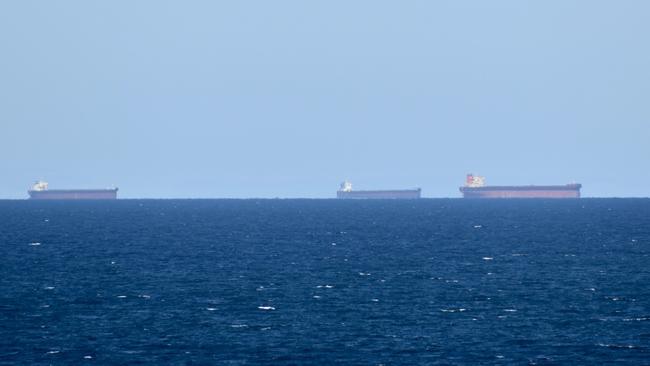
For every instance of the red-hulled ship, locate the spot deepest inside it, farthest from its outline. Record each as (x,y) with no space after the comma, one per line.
(40,191)
(475,188)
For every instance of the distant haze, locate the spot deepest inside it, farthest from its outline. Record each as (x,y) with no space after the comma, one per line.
(289,98)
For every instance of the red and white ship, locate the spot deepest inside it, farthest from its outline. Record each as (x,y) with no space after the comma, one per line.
(475,188)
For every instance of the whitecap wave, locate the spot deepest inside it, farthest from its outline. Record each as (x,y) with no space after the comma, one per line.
(617,346)
(460,310)
(640,319)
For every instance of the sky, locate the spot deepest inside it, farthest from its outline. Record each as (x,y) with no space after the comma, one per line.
(234,99)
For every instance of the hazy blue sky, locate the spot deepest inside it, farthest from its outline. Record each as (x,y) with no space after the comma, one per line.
(288,98)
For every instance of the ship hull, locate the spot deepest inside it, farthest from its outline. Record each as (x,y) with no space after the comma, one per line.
(388,194)
(562,191)
(74,194)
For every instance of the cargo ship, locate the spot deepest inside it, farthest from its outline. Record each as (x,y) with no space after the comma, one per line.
(41,191)
(346,192)
(475,188)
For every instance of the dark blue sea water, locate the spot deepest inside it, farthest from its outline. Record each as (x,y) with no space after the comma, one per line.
(297,282)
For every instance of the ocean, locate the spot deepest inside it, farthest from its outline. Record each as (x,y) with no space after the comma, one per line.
(318,282)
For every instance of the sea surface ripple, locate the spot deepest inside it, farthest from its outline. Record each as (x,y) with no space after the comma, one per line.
(314,282)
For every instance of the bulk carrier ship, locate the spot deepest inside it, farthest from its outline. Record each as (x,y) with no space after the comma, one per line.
(475,188)
(346,192)
(40,191)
